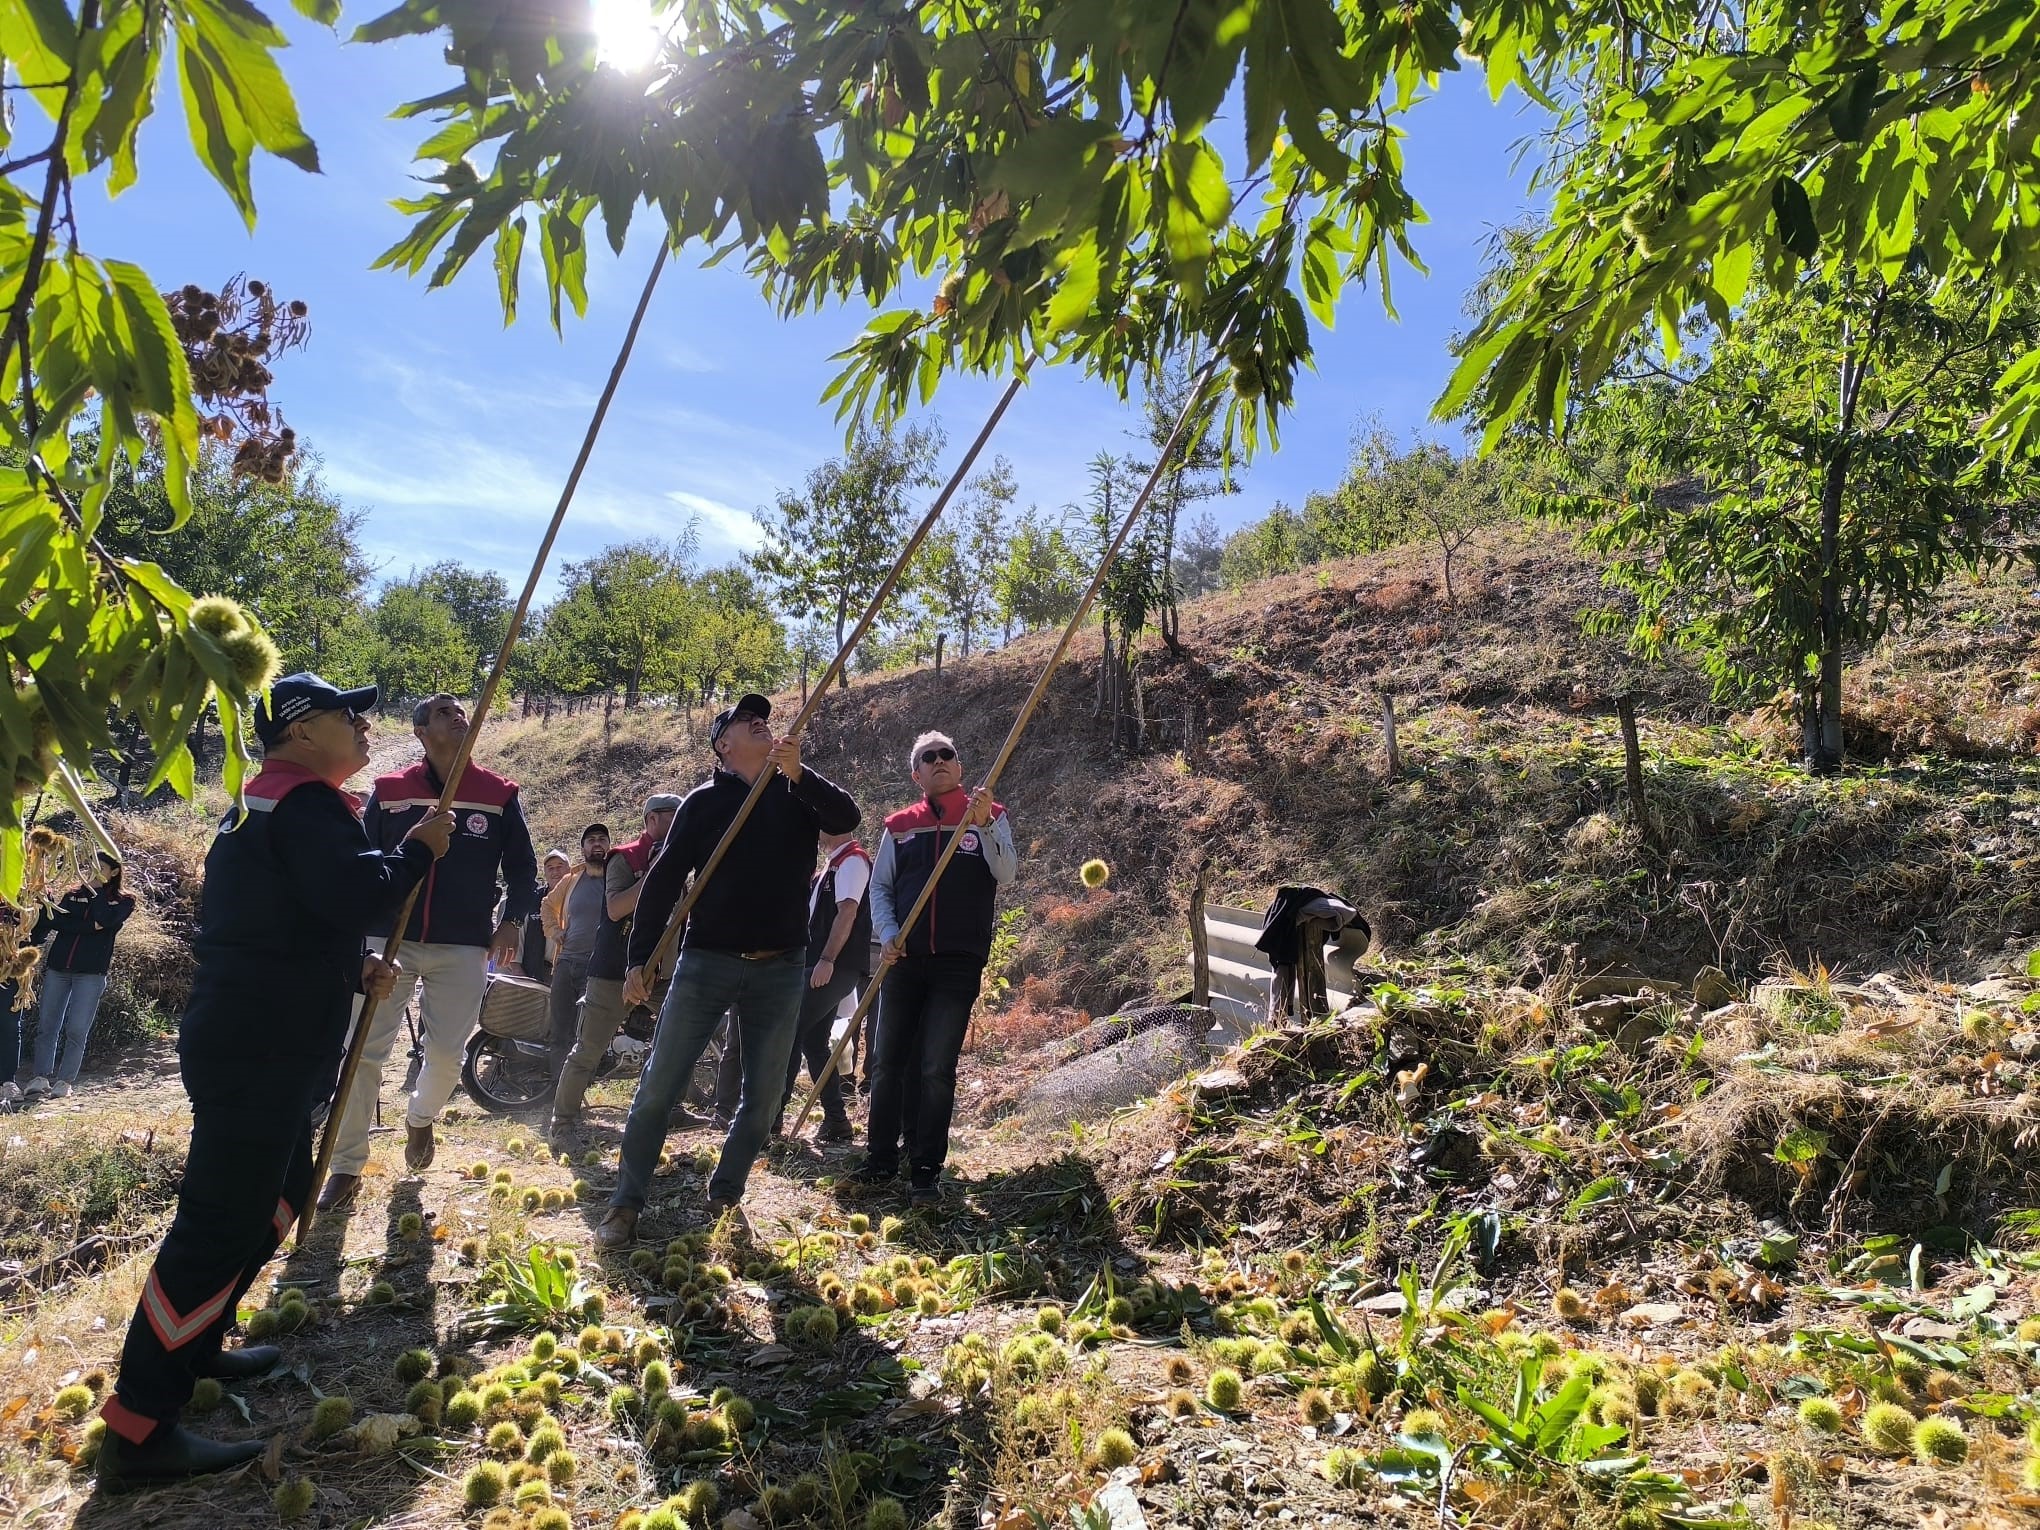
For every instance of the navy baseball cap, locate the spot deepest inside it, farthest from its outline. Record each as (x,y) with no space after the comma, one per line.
(750,704)
(296,696)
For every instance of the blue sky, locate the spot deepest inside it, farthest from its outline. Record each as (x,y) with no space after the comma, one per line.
(454,433)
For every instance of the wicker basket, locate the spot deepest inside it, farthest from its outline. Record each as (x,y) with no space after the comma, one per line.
(516,1007)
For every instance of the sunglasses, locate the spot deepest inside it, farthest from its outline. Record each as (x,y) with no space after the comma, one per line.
(930,756)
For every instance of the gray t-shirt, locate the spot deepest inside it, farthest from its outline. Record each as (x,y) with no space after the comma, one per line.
(585,913)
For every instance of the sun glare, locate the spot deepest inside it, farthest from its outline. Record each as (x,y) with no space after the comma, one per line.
(625,34)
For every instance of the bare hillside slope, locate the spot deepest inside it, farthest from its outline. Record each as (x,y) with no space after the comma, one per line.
(1505,840)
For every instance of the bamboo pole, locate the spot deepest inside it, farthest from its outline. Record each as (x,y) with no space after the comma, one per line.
(656,965)
(1027,708)
(357,1043)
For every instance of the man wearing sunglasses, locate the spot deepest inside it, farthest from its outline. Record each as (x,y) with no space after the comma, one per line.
(744,945)
(292,883)
(934,970)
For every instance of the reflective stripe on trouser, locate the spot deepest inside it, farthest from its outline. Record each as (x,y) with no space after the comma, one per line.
(452,978)
(245,1177)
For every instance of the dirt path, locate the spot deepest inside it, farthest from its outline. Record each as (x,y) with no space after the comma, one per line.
(1023,1351)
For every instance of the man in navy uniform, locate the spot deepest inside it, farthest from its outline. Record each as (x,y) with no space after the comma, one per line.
(291,887)
(452,936)
(744,945)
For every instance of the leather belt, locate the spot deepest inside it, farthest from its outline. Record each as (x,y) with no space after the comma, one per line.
(759,956)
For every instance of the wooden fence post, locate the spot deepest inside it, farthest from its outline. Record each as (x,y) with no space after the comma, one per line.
(1388,735)
(1632,760)
(1200,943)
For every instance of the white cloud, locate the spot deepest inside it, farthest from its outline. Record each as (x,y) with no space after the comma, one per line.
(722,525)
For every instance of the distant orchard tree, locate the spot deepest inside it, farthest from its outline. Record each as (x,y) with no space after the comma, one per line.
(408,645)
(1777,494)
(1043,575)
(830,543)
(1199,548)
(479,601)
(1275,544)
(961,560)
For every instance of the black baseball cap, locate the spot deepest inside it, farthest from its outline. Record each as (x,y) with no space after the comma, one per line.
(300,695)
(750,704)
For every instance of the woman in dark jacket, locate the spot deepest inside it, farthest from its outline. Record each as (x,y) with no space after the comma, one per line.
(84,923)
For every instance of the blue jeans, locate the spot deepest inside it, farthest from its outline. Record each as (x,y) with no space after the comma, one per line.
(70,1002)
(766,996)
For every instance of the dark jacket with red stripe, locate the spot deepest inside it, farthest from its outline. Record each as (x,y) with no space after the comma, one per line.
(959,920)
(84,921)
(856,953)
(458,906)
(291,887)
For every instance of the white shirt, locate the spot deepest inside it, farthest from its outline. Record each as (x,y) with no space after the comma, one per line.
(853,875)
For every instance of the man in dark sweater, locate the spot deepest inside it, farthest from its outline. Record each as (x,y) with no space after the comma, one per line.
(745,944)
(291,886)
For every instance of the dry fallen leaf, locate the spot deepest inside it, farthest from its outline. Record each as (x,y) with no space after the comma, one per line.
(1652,1314)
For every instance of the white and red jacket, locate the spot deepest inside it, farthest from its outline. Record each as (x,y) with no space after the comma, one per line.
(958,920)
(458,904)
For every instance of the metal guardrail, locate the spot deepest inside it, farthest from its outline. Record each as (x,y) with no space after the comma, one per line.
(1241,975)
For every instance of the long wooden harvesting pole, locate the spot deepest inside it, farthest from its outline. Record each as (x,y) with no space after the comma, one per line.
(655,966)
(1191,404)
(357,1043)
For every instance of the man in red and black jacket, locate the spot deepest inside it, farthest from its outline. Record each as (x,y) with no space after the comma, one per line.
(932,971)
(291,885)
(452,936)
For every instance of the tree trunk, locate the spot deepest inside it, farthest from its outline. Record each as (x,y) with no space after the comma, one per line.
(1632,762)
(940,639)
(1200,943)
(1824,758)
(1168,619)
(842,616)
(1104,669)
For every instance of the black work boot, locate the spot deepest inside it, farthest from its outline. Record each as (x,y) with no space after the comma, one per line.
(243,1364)
(171,1454)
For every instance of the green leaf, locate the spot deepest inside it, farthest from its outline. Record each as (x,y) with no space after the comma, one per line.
(509,256)
(39,38)
(1077,291)
(1600,1190)
(240,41)
(1794,215)
(235,98)
(219,134)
